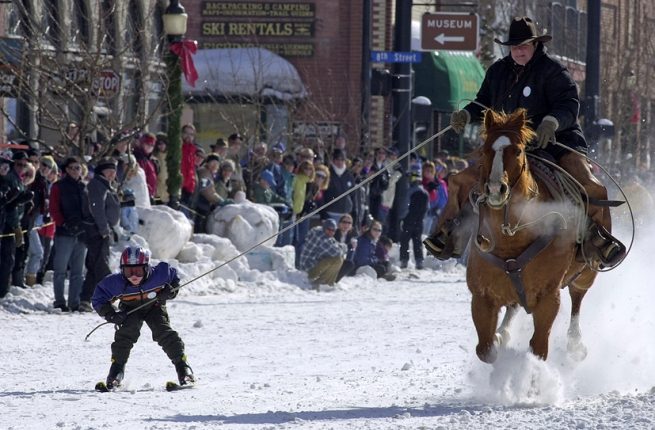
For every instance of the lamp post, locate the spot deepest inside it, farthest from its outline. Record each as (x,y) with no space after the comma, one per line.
(175,20)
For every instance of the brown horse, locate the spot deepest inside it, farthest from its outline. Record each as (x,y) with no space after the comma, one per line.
(524,250)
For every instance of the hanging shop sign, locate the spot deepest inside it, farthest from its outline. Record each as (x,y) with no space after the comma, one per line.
(257,10)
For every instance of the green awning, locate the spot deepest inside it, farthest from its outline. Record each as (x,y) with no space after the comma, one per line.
(447,78)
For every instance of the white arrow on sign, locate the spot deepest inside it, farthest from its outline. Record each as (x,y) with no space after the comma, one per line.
(442,38)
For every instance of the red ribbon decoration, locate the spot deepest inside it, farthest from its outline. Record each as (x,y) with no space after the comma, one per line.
(185,50)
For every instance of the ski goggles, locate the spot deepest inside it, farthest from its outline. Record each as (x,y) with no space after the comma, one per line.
(138,271)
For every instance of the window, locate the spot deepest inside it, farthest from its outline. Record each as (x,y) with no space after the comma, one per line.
(79,29)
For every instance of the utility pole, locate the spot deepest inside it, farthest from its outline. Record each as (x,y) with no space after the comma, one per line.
(402,88)
(402,109)
(592,75)
(365,138)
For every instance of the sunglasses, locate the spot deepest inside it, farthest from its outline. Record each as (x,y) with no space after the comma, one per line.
(321,175)
(74,167)
(45,165)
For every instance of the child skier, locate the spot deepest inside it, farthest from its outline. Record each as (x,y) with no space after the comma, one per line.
(140,283)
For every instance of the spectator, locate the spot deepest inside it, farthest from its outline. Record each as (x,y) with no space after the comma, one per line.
(69,208)
(360,196)
(340,143)
(388,197)
(322,256)
(161,195)
(305,154)
(40,216)
(412,220)
(234,153)
(365,252)
(341,180)
(16,198)
(47,232)
(378,185)
(105,208)
(264,190)
(188,164)
(26,224)
(437,192)
(382,252)
(224,184)
(303,203)
(143,154)
(219,148)
(347,235)
(207,197)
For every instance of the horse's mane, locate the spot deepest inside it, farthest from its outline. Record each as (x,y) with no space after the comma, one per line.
(515,125)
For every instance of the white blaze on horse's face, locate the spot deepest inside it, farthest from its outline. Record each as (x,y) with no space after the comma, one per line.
(497,189)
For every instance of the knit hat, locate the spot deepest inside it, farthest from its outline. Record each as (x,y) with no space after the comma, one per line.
(267,175)
(105,163)
(48,161)
(329,224)
(19,155)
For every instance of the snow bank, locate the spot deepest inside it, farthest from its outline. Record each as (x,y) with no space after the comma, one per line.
(245,224)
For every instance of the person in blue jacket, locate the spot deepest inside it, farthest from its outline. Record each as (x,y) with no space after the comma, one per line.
(137,284)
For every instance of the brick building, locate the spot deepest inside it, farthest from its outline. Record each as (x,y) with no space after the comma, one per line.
(323,42)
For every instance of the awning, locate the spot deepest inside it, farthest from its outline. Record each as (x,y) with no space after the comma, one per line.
(448,78)
(244,72)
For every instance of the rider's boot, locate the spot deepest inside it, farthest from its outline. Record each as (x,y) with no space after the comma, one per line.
(598,245)
(452,233)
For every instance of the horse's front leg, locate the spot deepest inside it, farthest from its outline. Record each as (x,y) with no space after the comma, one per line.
(543,316)
(502,334)
(485,319)
(576,349)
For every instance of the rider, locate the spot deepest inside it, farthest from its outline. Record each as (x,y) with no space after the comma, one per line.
(530,78)
(138,284)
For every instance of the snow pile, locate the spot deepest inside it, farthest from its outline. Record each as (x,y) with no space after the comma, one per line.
(245,224)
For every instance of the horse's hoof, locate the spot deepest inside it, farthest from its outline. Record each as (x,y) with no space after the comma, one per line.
(487,355)
(503,338)
(576,349)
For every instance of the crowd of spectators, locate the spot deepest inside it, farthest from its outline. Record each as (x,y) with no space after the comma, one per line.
(63,215)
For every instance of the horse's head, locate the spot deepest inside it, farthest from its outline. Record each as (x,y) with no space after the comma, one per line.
(503,160)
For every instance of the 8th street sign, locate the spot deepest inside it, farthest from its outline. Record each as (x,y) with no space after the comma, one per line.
(450,31)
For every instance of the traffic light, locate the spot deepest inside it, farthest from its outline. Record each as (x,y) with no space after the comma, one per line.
(381,82)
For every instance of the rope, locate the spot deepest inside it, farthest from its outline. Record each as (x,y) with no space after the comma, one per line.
(26,231)
(386,166)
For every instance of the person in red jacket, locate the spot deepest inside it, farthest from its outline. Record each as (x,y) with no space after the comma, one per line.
(143,154)
(188,164)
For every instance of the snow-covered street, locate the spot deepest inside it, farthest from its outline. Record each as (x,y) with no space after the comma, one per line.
(369,355)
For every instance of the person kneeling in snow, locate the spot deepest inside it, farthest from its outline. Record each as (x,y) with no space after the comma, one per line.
(137,284)
(322,256)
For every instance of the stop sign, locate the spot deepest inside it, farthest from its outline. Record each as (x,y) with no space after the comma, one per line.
(107,83)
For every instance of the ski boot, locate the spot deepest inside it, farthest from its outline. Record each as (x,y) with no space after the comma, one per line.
(184,372)
(115,376)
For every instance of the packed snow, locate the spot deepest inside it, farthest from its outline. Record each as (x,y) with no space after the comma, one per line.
(270,353)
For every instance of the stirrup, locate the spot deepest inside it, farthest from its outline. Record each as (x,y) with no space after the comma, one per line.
(607,249)
(441,246)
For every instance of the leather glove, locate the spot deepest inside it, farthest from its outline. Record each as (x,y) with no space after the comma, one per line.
(166,293)
(117,318)
(546,131)
(459,119)
(18,235)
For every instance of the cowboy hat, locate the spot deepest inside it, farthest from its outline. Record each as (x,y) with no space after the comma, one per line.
(523,30)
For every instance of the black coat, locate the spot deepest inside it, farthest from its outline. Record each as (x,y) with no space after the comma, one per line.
(543,87)
(339,185)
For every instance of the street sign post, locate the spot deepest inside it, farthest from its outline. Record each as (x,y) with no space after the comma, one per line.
(450,31)
(396,57)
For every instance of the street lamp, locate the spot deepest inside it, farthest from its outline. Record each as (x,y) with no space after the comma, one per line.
(175,19)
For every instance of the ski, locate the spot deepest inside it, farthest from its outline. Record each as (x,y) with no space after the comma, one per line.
(174,386)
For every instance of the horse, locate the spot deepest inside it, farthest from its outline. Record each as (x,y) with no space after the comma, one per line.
(523,251)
